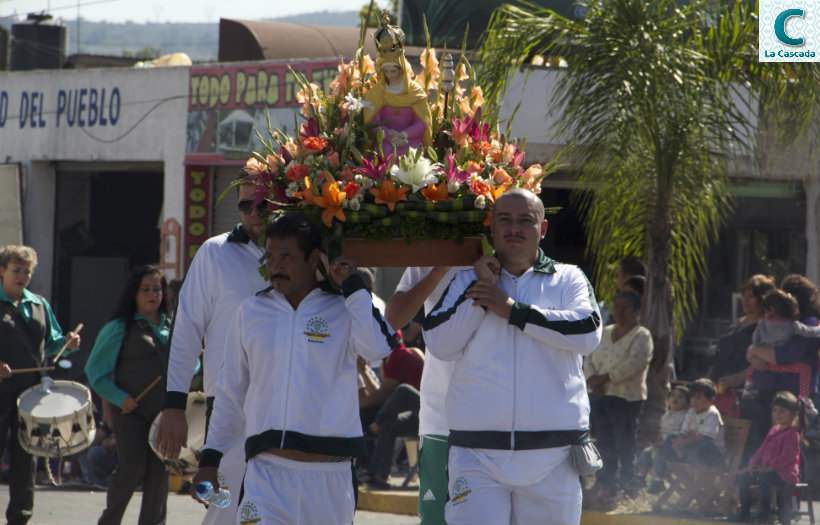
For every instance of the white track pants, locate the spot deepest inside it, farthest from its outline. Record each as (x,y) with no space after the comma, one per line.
(477,497)
(279,490)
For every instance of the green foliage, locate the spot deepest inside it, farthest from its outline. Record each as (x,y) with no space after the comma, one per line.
(655,101)
(149,53)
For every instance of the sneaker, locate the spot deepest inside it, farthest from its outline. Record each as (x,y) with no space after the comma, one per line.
(656,487)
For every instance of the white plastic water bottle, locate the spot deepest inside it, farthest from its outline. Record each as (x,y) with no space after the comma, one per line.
(205,492)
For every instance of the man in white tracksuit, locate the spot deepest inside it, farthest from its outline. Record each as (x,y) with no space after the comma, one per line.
(517,327)
(223,273)
(288,386)
(424,287)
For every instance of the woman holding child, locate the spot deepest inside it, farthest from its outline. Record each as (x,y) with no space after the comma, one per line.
(616,379)
(769,376)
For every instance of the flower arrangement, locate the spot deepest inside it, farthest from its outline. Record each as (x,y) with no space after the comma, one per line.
(334,167)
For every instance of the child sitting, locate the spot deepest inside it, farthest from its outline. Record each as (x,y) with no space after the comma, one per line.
(777,461)
(777,327)
(701,438)
(671,426)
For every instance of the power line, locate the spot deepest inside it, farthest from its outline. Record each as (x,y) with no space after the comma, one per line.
(73,6)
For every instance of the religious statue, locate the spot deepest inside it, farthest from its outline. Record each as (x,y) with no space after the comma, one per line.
(397,104)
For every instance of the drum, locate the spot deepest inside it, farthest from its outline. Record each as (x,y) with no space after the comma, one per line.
(56,420)
(188,462)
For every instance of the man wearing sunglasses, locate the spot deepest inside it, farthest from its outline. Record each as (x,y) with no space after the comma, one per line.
(223,273)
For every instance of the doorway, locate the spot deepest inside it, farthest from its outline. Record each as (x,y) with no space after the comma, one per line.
(107,223)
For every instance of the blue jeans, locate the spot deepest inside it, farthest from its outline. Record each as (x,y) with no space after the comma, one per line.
(616,420)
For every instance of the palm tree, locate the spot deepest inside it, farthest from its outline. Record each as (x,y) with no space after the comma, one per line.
(657,100)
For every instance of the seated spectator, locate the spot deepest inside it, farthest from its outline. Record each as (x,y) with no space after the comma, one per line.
(776,328)
(398,417)
(98,461)
(777,461)
(671,426)
(701,438)
(403,365)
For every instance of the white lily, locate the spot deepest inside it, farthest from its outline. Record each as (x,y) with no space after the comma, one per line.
(356,104)
(415,172)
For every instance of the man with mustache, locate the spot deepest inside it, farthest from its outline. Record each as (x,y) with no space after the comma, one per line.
(516,327)
(224,273)
(289,384)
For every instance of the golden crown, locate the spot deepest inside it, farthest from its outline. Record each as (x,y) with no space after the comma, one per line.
(389,39)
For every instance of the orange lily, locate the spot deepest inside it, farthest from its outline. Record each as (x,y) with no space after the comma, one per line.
(389,194)
(306,194)
(331,200)
(436,192)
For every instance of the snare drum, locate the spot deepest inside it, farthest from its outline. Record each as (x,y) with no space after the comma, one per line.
(188,462)
(56,421)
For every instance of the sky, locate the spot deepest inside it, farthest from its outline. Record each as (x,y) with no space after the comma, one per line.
(141,11)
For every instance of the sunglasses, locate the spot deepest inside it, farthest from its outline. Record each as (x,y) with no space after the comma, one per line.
(246,205)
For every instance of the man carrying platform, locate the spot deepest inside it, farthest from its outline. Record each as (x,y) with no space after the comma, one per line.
(517,327)
(288,386)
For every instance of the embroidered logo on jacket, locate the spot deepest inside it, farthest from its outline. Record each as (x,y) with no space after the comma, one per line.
(249,513)
(460,490)
(317,330)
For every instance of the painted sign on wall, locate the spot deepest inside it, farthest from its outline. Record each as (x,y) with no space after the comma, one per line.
(85,107)
(197,209)
(227,104)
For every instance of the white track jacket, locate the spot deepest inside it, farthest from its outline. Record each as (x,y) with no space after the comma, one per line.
(523,373)
(224,272)
(289,377)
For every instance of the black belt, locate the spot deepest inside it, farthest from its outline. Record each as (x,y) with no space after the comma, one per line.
(518,440)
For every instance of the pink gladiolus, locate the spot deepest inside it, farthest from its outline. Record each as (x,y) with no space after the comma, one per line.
(453,172)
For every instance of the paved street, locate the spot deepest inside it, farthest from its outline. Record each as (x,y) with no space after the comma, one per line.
(64,506)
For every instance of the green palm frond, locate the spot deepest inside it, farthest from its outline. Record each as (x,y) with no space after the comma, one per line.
(655,100)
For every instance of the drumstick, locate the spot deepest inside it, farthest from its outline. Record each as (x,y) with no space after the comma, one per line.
(34,369)
(142,394)
(65,345)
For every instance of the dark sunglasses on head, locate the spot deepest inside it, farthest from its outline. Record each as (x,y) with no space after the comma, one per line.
(246,205)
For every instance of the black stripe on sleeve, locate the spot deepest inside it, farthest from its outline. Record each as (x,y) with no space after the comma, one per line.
(582,326)
(432,321)
(391,338)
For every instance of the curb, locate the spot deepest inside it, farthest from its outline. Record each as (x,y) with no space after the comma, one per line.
(406,502)
(395,502)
